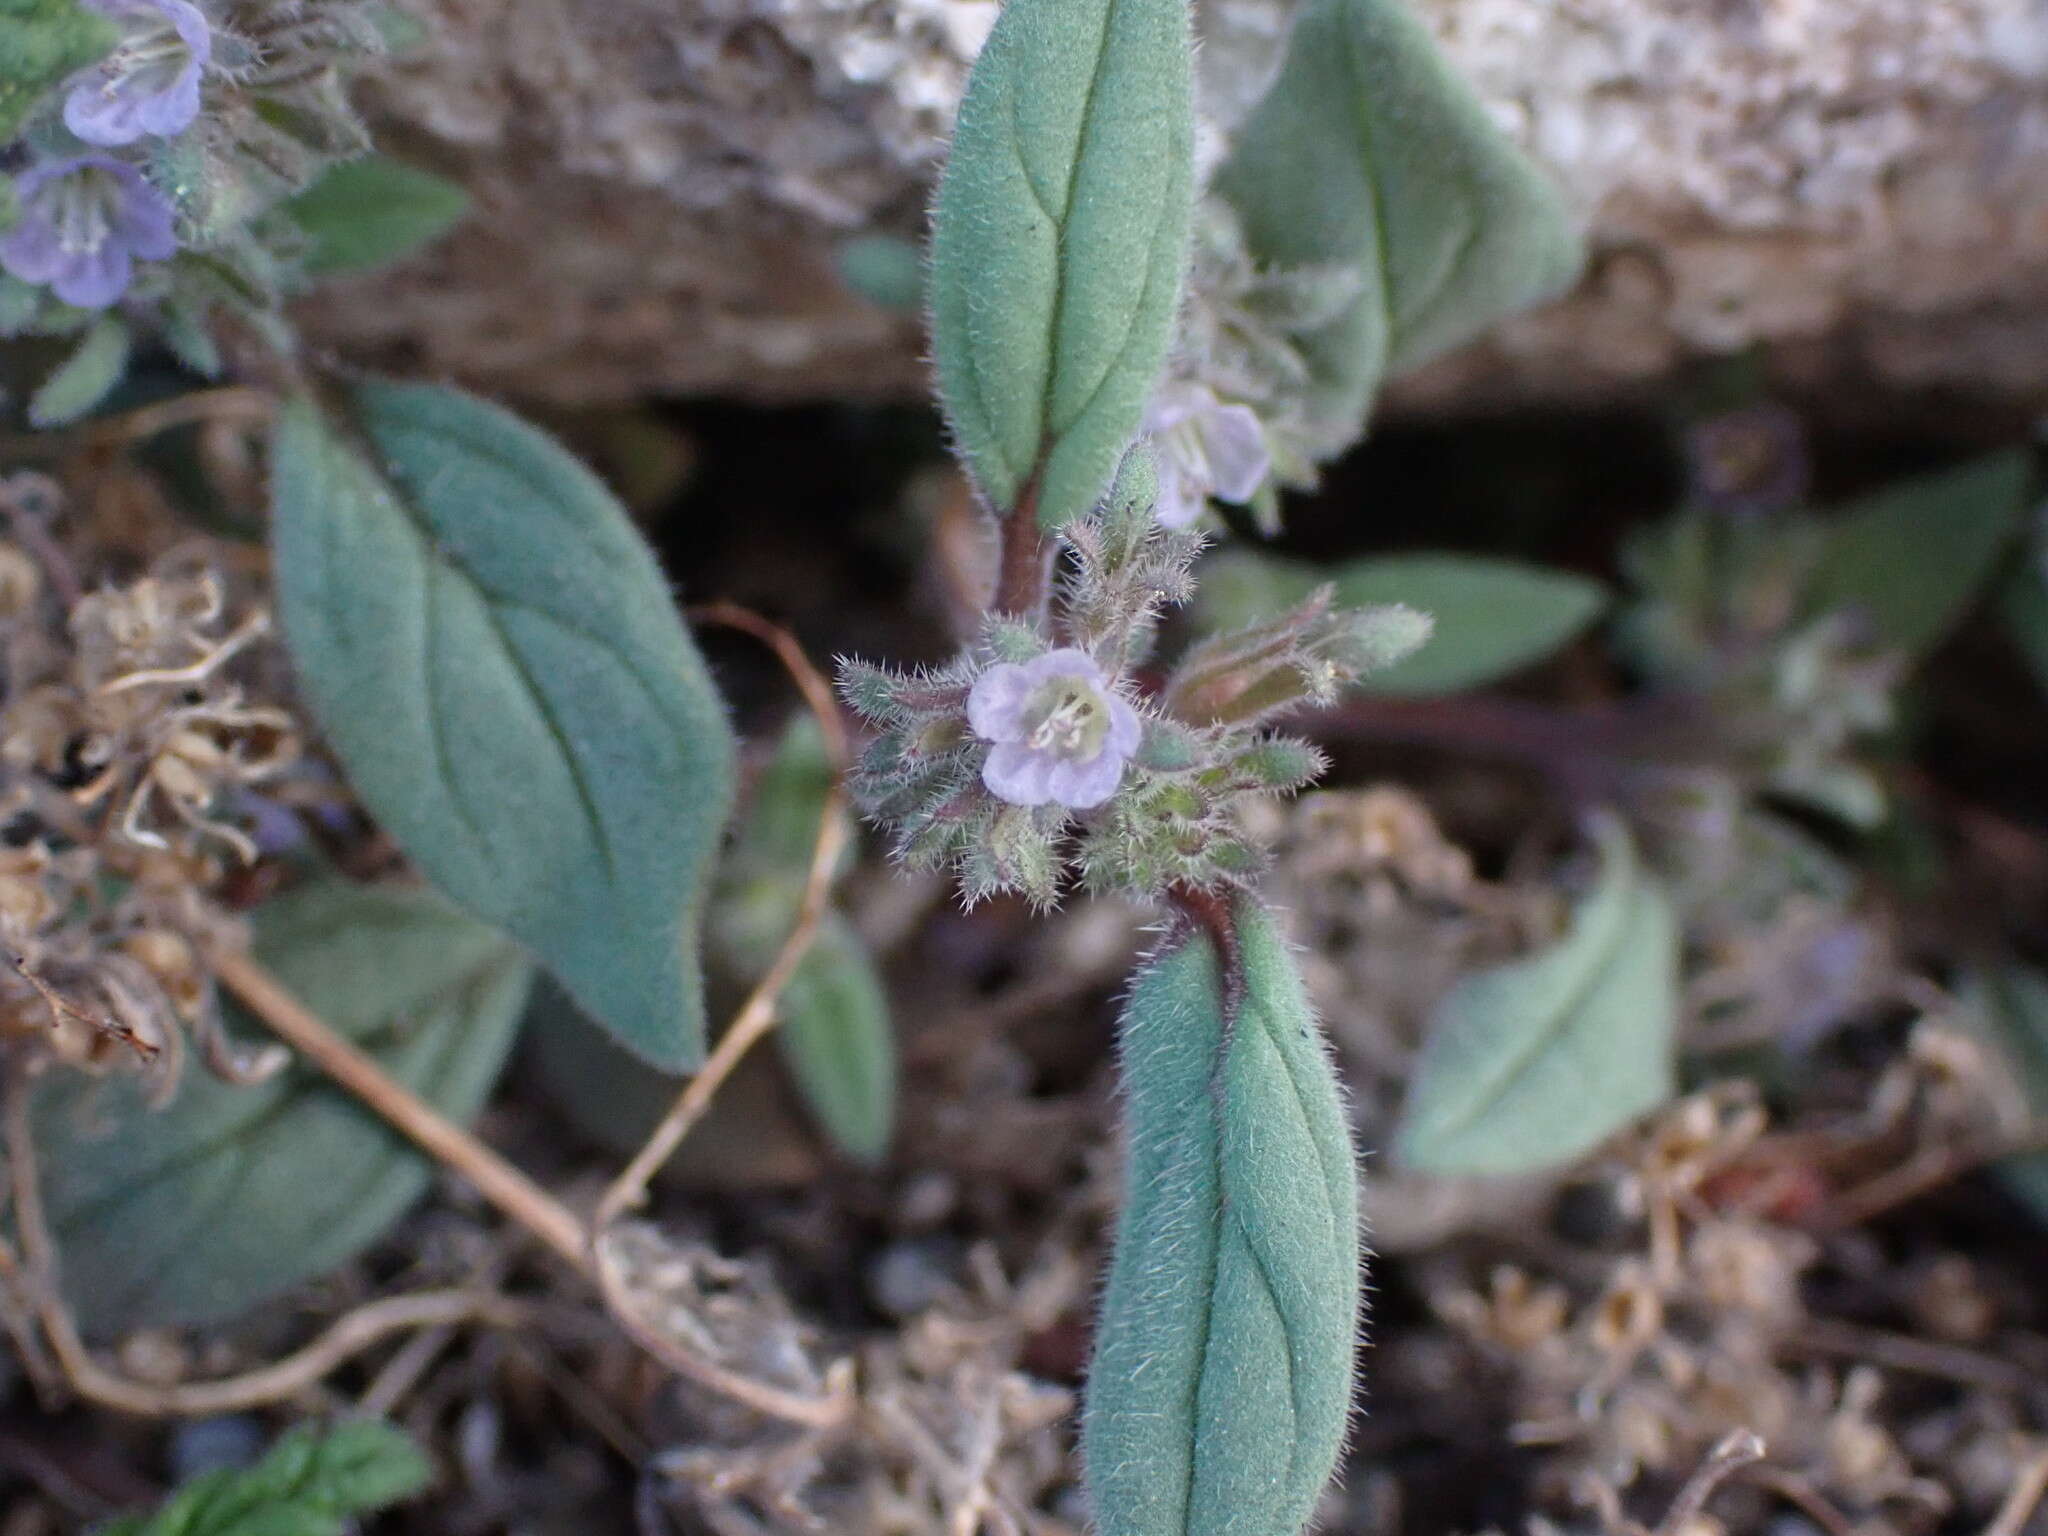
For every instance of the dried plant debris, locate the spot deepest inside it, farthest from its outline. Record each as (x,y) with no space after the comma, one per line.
(1626,1363)
(145,759)
(947,1433)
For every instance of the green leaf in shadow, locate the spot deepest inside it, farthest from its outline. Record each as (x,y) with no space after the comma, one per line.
(2007,1007)
(232,1195)
(1912,557)
(313,1483)
(1530,1064)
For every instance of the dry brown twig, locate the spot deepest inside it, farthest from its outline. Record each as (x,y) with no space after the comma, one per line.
(1740,1457)
(583,1247)
(236,403)
(2024,1498)
(757,1015)
(752,1024)
(1742,1449)
(496,1179)
(1928,1169)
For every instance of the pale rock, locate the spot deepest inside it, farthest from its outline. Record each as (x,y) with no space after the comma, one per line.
(661,186)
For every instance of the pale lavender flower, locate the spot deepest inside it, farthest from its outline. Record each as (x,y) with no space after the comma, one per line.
(1206,448)
(84,223)
(1061,733)
(149,84)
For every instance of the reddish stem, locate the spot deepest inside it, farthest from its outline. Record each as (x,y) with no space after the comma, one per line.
(1021,579)
(1214,912)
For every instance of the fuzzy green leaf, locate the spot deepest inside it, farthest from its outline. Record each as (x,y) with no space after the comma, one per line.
(1529,1064)
(1493,617)
(42,42)
(1912,557)
(231,1195)
(1222,1375)
(1059,242)
(313,1483)
(85,378)
(496,656)
(369,213)
(1370,154)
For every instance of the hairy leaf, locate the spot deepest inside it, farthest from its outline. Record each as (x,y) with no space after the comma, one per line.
(1912,557)
(85,378)
(371,212)
(1222,1372)
(42,42)
(1371,154)
(231,1195)
(495,655)
(1492,617)
(1529,1064)
(313,1483)
(1059,242)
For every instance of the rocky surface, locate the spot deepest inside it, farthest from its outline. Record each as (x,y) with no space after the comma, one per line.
(663,184)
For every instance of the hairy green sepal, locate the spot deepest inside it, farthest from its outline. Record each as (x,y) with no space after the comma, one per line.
(371,212)
(1529,1064)
(1371,154)
(495,655)
(1059,244)
(1222,1376)
(1492,617)
(85,378)
(231,1195)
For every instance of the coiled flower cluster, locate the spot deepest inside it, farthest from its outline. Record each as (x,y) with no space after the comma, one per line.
(1042,745)
(146,174)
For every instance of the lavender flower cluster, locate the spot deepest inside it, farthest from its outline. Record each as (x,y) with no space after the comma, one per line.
(85,218)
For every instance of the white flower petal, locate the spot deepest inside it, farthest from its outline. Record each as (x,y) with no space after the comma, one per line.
(1235,444)
(1181,500)
(1083,786)
(1126,730)
(995,704)
(1176,402)
(1067,661)
(1019,775)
